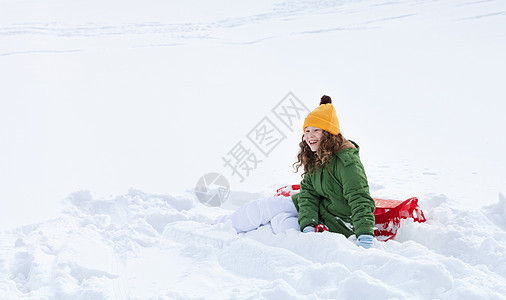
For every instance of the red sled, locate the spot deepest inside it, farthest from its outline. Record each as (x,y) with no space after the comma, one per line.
(388,213)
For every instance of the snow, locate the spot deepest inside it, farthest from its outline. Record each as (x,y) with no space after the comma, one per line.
(102,98)
(141,245)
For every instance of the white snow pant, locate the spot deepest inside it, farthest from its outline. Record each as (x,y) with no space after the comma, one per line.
(278,210)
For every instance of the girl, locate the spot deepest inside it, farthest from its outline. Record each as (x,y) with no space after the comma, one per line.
(334,191)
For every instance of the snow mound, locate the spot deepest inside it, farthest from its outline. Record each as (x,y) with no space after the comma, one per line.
(497,212)
(143,245)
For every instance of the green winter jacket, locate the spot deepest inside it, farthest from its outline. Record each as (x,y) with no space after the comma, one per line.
(337,196)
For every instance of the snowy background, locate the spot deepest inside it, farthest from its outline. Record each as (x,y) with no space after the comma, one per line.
(110,112)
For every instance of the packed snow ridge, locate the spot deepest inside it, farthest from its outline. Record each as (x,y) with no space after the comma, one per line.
(143,246)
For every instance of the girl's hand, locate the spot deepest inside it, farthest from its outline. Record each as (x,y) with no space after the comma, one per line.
(308,229)
(318,228)
(364,241)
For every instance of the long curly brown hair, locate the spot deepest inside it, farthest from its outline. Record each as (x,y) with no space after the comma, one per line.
(330,144)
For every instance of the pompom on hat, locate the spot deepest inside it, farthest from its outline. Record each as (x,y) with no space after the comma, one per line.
(323,117)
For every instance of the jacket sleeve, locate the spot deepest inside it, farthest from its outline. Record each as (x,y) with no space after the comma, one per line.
(308,202)
(356,192)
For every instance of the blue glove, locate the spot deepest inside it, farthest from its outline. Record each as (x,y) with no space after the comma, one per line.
(308,229)
(364,241)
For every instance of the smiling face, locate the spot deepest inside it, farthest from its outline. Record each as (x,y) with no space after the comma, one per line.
(312,136)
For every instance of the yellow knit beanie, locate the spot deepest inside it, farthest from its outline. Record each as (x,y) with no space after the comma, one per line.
(323,117)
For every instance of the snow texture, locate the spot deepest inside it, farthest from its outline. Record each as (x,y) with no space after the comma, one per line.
(142,246)
(101,96)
